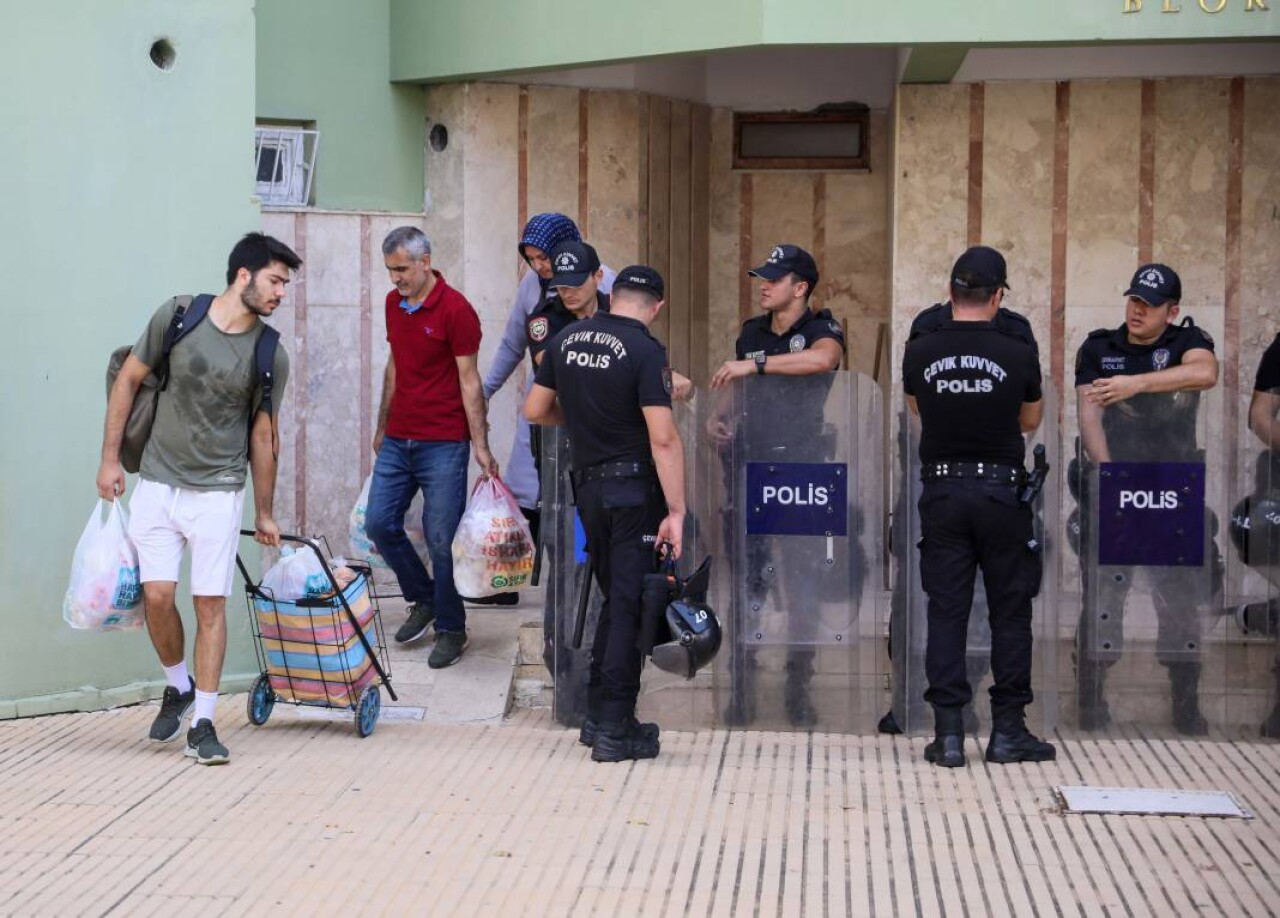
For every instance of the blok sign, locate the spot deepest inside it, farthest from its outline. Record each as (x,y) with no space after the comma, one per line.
(1151,513)
(797,498)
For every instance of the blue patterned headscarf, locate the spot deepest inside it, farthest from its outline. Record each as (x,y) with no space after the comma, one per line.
(546,231)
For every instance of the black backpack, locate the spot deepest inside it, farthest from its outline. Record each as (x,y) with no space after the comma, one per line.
(190,313)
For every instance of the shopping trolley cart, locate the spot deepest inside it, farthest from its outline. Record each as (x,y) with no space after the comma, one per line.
(326,652)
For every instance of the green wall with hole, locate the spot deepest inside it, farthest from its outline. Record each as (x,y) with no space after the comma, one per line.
(121,185)
(327,62)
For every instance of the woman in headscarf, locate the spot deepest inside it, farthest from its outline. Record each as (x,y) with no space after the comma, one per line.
(541,234)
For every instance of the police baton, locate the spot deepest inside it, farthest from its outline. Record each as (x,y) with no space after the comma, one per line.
(1035,478)
(584,602)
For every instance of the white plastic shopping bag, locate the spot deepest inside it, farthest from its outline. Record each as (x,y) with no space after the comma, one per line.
(493,548)
(362,546)
(104,593)
(299,574)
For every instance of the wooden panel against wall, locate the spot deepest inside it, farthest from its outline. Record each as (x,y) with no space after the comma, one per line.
(615,122)
(699,241)
(678,271)
(552,151)
(659,224)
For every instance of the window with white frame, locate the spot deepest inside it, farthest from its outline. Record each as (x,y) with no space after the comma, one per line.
(284,164)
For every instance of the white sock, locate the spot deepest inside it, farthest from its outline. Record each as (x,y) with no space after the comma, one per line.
(205,703)
(176,676)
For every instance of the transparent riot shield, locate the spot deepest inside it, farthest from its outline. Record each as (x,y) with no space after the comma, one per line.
(573,598)
(1253,571)
(791,488)
(1151,642)
(908,608)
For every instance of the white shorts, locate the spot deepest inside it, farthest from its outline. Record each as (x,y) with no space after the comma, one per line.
(164,520)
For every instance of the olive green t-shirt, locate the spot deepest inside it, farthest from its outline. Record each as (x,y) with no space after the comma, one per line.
(200,437)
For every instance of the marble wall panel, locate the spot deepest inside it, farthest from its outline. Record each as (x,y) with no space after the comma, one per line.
(333,274)
(552,150)
(492,206)
(782,211)
(282,321)
(723,275)
(617,131)
(333,423)
(931,189)
(1017,191)
(1191,187)
(856,280)
(1102,191)
(446,186)
(678,309)
(1259,224)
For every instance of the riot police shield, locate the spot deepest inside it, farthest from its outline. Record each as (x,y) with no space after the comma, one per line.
(1253,570)
(1150,480)
(908,607)
(792,492)
(573,598)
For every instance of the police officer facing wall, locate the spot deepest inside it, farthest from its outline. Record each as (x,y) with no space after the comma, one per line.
(1264,421)
(607,380)
(976,388)
(1138,394)
(788,339)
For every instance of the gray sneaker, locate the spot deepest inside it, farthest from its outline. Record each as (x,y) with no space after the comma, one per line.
(415,627)
(448,649)
(173,707)
(203,745)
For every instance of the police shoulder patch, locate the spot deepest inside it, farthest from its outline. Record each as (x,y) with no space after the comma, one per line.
(538,328)
(797,343)
(666,379)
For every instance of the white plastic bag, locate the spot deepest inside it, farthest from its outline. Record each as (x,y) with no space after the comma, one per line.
(362,546)
(299,574)
(104,593)
(493,548)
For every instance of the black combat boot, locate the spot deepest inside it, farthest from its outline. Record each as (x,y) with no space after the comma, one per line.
(800,709)
(1011,741)
(947,748)
(622,740)
(591,729)
(1271,726)
(1184,680)
(1092,712)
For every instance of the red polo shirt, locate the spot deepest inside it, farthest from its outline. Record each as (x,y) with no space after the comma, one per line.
(425,344)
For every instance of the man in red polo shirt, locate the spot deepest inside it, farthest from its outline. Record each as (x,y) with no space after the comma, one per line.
(432,405)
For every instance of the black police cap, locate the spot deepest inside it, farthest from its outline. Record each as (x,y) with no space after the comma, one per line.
(640,277)
(980,266)
(1156,284)
(788,259)
(572,262)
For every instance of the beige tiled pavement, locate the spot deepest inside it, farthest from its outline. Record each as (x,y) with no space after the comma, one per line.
(512,818)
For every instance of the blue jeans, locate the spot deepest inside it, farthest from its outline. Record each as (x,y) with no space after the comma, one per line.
(439,469)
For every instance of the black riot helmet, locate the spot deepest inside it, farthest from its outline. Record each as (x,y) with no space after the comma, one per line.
(1255,530)
(692,626)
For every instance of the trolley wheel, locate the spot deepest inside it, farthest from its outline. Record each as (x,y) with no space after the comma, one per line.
(368,709)
(261,700)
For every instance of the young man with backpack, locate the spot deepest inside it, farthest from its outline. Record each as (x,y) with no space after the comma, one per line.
(215,414)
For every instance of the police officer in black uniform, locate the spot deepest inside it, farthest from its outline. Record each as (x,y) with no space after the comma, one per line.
(1264,421)
(977,390)
(1138,393)
(608,381)
(575,276)
(787,339)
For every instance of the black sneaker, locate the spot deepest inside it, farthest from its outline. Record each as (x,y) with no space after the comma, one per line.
(590,730)
(497,599)
(421,615)
(448,649)
(173,707)
(203,745)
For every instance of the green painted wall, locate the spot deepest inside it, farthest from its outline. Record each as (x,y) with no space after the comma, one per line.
(434,41)
(121,185)
(328,61)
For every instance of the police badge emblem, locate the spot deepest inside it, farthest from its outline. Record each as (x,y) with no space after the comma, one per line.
(797,344)
(538,328)
(1160,358)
